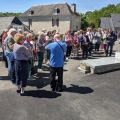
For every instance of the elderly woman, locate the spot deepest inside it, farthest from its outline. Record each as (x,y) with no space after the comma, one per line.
(75,44)
(69,43)
(40,50)
(30,47)
(20,31)
(25,34)
(98,36)
(21,56)
(49,40)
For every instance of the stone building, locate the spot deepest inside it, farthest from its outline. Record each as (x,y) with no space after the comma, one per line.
(12,22)
(111,22)
(60,17)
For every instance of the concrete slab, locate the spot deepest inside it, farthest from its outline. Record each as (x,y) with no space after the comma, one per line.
(83,71)
(102,64)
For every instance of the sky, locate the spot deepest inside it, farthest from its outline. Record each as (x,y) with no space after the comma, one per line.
(82,5)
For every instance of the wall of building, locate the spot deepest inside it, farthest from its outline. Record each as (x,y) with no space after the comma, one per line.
(38,23)
(75,23)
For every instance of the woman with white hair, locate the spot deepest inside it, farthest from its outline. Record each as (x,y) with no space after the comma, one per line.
(9,52)
(40,50)
(20,31)
(30,47)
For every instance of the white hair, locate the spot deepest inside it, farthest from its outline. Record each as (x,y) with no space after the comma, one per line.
(20,30)
(12,30)
(41,33)
(6,30)
(28,35)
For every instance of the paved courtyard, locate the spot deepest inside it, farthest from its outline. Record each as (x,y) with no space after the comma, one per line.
(85,97)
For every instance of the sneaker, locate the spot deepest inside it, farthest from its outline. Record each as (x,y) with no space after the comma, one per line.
(22,94)
(18,91)
(40,70)
(106,55)
(48,63)
(90,56)
(66,58)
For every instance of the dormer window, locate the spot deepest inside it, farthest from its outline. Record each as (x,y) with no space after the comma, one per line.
(56,10)
(31,12)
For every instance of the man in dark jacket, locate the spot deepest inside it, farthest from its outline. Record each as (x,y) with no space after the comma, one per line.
(110,41)
(84,45)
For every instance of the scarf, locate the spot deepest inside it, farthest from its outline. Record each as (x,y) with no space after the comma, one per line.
(29,42)
(19,43)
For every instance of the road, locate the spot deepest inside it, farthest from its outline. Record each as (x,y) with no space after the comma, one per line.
(85,97)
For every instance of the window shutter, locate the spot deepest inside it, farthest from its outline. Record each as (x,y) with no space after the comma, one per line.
(57,22)
(52,22)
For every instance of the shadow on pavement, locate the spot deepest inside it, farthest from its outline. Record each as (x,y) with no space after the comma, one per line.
(80,90)
(42,94)
(49,94)
(41,80)
(4,78)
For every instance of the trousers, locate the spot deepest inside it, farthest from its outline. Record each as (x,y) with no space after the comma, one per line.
(21,68)
(56,84)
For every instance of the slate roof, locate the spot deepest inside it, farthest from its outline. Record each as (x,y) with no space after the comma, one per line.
(5,22)
(106,23)
(115,20)
(46,10)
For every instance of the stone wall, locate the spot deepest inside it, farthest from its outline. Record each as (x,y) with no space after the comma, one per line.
(75,22)
(38,23)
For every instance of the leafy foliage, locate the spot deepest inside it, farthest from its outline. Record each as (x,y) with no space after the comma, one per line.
(93,18)
(7,14)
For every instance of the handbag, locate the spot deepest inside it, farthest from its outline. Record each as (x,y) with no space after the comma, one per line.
(63,51)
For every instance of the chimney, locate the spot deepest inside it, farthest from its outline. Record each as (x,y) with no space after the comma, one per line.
(73,8)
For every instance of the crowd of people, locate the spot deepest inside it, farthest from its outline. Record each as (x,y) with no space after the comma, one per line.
(21,49)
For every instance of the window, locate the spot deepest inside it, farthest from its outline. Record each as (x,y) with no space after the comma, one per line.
(56,11)
(31,12)
(15,28)
(55,22)
(30,22)
(76,27)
